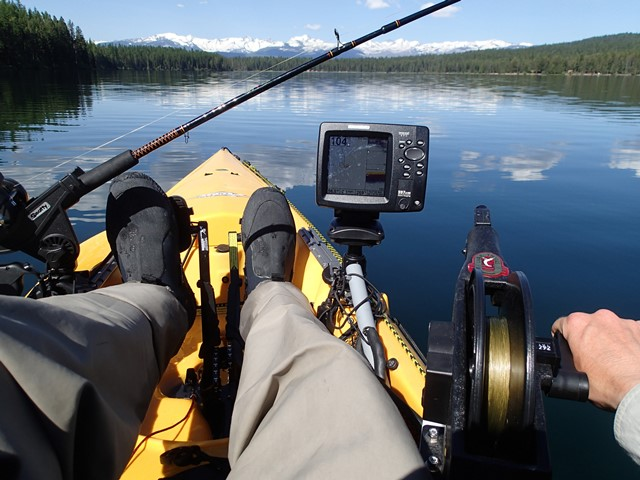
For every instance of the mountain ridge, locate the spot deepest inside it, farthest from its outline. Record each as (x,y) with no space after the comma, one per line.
(306,45)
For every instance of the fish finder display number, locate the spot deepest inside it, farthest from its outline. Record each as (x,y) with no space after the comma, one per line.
(357,165)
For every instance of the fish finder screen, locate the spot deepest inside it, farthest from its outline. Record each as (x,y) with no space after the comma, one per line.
(357,165)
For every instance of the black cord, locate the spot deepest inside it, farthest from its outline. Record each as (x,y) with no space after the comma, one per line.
(339,301)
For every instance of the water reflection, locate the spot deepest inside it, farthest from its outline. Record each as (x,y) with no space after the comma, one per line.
(527,165)
(42,101)
(493,139)
(625,155)
(50,125)
(288,167)
(397,92)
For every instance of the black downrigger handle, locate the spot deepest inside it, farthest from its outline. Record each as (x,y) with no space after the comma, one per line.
(558,375)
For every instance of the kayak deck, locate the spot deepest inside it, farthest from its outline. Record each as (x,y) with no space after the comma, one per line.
(218,191)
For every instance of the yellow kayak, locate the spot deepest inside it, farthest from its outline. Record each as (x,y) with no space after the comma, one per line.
(217,192)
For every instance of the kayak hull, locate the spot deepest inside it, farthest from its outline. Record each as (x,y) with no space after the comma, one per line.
(218,191)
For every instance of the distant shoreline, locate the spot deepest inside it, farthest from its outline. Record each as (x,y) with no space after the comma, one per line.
(6,69)
(37,41)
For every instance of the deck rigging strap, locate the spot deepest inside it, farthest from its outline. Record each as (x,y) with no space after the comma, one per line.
(209,314)
(235,343)
(210,381)
(217,389)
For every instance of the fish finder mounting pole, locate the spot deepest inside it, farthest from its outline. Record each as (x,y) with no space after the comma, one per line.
(364,169)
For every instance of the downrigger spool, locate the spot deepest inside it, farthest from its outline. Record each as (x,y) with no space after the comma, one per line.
(486,372)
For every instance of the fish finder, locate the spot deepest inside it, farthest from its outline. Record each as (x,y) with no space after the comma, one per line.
(371,167)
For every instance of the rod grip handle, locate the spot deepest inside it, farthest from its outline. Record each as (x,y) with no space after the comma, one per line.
(108,170)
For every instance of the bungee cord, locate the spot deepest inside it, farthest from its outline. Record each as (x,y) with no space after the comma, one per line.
(338,301)
(132,457)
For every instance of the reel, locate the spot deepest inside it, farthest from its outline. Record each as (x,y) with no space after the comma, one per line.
(13,200)
(40,226)
(483,412)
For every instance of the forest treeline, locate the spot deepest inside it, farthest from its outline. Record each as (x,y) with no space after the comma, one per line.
(29,38)
(32,39)
(118,57)
(611,54)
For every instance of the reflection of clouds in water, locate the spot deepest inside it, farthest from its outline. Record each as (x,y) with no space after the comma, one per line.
(625,155)
(529,166)
(478,100)
(33,179)
(475,162)
(308,98)
(317,90)
(285,167)
(524,166)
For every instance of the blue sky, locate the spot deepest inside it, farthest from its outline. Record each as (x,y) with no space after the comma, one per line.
(537,22)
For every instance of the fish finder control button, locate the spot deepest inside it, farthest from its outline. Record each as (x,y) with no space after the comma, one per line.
(414,153)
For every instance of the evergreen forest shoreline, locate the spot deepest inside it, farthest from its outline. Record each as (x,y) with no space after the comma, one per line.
(33,40)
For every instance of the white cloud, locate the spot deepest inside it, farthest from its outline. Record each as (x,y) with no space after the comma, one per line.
(313,26)
(373,4)
(626,155)
(180,5)
(446,12)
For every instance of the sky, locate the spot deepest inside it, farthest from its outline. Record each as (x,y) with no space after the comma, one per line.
(516,21)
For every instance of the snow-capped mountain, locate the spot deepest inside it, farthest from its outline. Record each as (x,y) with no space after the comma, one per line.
(245,46)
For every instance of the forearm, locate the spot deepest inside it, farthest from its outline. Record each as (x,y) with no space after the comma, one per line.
(627,423)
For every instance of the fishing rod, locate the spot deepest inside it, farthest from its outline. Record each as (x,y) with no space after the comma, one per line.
(39,226)
(121,163)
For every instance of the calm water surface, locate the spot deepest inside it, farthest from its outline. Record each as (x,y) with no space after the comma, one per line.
(556,159)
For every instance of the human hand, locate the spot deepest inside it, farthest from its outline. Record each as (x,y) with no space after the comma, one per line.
(606,348)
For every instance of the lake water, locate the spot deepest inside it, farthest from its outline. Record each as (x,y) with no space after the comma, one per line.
(556,159)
